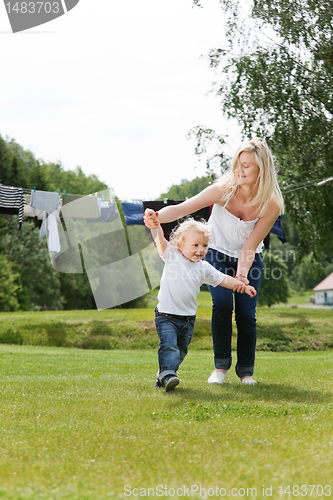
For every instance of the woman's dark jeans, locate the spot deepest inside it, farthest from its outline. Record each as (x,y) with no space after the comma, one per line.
(245,315)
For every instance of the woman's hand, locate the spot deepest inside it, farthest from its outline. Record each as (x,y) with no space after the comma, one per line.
(242,288)
(150,218)
(242,278)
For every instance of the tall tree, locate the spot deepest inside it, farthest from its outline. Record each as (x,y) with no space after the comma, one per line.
(274,286)
(17,173)
(39,286)
(5,162)
(276,77)
(186,188)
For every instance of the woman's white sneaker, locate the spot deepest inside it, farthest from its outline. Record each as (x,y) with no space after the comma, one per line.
(217,377)
(248,381)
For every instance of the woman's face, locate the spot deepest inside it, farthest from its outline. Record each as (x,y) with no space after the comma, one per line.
(247,171)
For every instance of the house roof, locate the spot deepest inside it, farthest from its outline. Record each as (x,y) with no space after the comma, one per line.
(326,284)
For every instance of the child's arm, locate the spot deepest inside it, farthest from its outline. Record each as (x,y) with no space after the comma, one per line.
(151,219)
(238,286)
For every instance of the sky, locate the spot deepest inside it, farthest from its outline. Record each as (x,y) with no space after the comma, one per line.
(114,87)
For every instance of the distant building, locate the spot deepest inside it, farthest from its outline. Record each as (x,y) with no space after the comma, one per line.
(324,291)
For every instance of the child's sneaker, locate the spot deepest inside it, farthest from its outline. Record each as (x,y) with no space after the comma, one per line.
(158,384)
(170,382)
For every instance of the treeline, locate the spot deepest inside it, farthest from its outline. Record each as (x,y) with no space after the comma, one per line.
(27,278)
(29,282)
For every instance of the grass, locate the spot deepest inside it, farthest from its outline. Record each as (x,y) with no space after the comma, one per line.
(279,328)
(300,297)
(84,424)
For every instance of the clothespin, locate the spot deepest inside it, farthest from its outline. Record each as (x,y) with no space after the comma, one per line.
(103,197)
(65,192)
(165,201)
(34,188)
(59,191)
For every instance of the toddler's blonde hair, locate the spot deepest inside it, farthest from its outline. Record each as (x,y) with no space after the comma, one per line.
(179,233)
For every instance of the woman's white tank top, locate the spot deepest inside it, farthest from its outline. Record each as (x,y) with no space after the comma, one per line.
(229,232)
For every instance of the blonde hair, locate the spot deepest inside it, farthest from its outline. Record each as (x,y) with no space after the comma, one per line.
(180,232)
(267,183)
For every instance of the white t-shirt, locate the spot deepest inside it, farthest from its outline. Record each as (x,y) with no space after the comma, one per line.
(181,281)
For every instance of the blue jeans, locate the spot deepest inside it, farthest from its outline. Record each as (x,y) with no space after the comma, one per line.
(245,315)
(175,334)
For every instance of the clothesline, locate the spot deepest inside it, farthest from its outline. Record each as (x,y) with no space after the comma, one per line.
(15,200)
(136,201)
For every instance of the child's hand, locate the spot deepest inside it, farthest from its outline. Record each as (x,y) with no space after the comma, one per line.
(242,288)
(150,218)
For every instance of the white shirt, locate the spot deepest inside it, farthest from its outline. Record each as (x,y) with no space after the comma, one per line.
(229,232)
(181,281)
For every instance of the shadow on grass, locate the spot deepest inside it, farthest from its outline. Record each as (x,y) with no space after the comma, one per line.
(262,401)
(259,393)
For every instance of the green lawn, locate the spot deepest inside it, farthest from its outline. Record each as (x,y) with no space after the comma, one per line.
(300,297)
(86,424)
(280,328)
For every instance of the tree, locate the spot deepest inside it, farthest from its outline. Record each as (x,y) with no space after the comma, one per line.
(29,258)
(17,173)
(5,162)
(309,273)
(8,286)
(76,291)
(276,77)
(37,177)
(72,181)
(274,286)
(186,189)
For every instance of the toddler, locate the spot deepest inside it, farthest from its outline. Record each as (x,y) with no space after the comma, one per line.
(183,274)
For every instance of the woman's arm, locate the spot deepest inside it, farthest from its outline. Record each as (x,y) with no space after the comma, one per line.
(212,194)
(263,227)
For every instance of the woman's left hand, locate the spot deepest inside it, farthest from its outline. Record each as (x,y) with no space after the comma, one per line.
(242,278)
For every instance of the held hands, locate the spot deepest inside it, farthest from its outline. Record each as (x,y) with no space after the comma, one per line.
(150,218)
(242,278)
(248,289)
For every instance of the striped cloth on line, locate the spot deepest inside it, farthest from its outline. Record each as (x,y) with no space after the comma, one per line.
(12,197)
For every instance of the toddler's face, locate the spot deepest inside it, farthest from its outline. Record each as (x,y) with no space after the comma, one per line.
(195,246)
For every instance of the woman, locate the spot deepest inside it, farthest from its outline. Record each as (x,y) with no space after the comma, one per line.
(247,201)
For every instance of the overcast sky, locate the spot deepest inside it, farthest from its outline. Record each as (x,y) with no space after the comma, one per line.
(114,86)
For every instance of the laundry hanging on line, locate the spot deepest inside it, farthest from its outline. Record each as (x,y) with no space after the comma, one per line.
(203,213)
(80,207)
(109,213)
(12,202)
(133,213)
(44,201)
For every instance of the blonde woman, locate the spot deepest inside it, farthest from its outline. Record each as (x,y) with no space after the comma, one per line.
(246,202)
